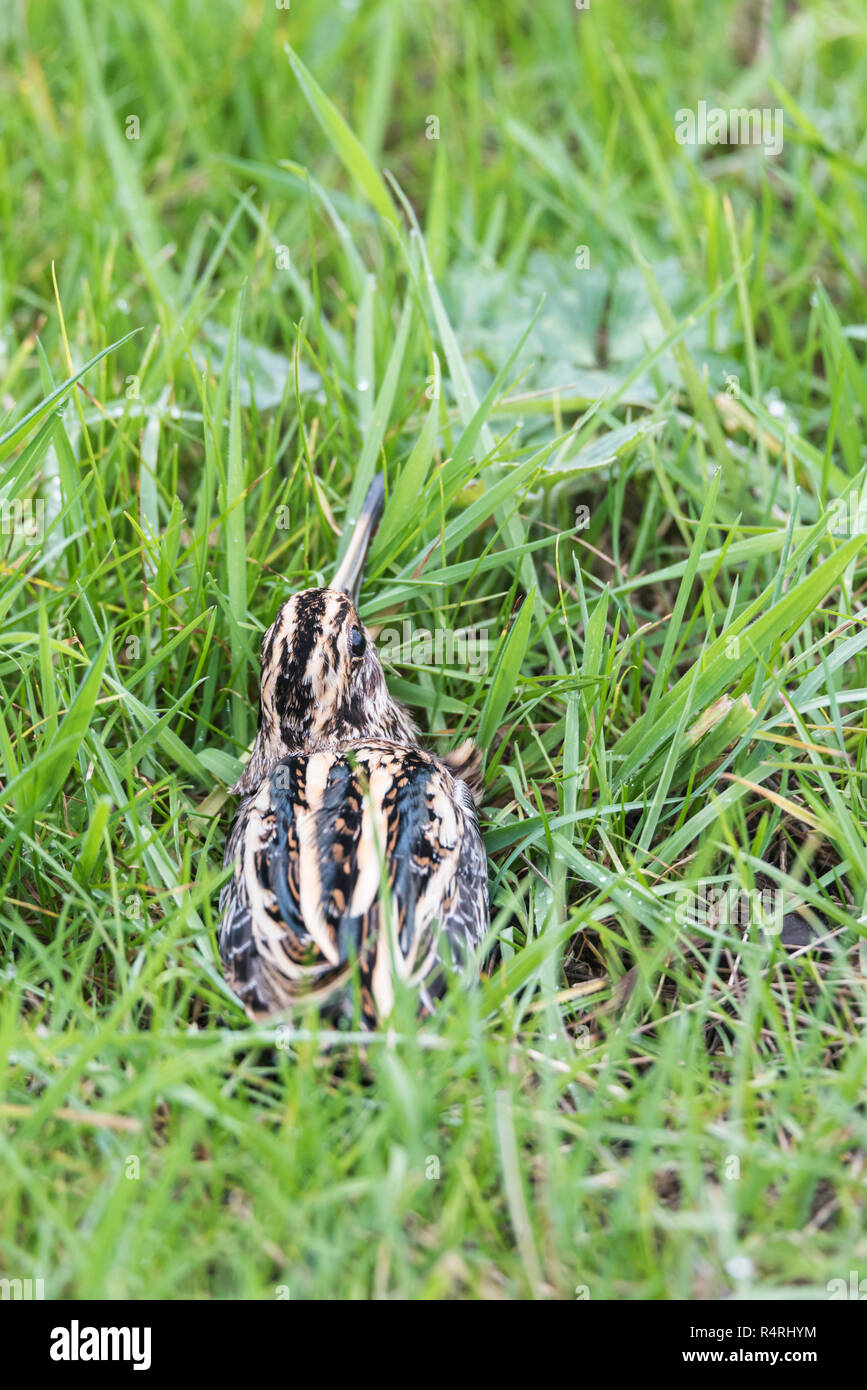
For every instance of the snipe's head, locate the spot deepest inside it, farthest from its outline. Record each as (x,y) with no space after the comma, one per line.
(323,685)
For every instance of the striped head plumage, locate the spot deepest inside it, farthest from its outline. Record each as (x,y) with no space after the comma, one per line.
(338,800)
(322,687)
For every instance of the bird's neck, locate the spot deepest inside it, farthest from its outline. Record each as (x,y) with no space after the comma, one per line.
(385,719)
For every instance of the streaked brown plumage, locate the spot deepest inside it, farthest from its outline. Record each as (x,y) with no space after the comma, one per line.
(342,811)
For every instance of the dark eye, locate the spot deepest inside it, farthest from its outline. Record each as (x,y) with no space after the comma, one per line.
(357,641)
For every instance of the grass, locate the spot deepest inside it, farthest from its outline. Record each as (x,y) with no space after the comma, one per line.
(618,388)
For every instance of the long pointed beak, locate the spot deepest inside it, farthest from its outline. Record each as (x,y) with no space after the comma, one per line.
(351,567)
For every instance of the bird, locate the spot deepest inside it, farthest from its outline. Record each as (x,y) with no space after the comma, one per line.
(353,847)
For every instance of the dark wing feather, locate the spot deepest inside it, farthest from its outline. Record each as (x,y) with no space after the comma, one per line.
(313,848)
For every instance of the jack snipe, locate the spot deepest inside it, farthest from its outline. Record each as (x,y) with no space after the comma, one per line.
(351,841)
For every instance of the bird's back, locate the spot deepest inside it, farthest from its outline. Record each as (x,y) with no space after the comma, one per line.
(369,853)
